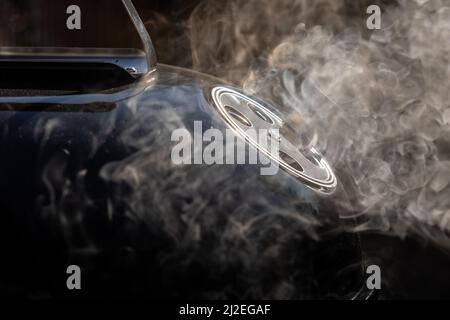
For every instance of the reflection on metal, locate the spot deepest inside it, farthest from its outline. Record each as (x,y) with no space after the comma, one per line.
(240,112)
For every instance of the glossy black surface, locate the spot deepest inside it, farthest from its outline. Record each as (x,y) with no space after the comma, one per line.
(87,179)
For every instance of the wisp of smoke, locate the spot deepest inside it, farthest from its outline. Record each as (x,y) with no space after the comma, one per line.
(376,103)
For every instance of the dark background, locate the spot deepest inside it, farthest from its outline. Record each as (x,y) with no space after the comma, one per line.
(42,23)
(171,29)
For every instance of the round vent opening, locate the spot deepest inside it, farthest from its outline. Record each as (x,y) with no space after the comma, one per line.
(291,161)
(236,115)
(260,113)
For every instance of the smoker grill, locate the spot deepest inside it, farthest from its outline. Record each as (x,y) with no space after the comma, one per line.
(87,179)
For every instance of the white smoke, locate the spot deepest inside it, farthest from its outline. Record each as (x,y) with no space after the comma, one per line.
(376,103)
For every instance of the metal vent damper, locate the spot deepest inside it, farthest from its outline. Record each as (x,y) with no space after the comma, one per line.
(241,113)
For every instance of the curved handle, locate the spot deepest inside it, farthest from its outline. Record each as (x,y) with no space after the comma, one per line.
(143,34)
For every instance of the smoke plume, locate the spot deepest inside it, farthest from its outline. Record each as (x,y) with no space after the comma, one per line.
(375,102)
